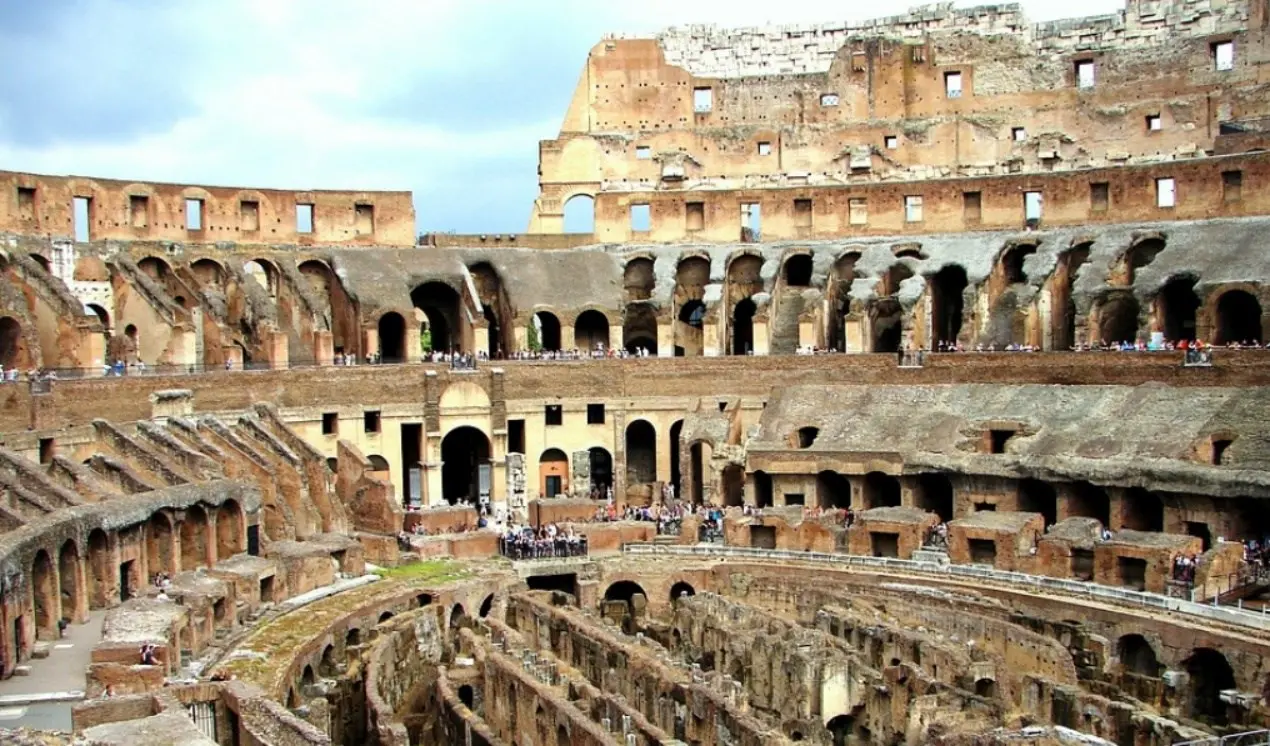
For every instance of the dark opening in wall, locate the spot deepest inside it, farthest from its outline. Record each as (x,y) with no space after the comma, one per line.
(330,423)
(997,440)
(885,544)
(802,213)
(516,436)
(972,206)
(807,436)
(695,216)
(1083,564)
(554,414)
(795,498)
(46,450)
(983,551)
(595,414)
(1133,572)
(798,269)
(1200,530)
(1099,196)
(763,537)
(563,582)
(138,210)
(1219,451)
(370,421)
(303,218)
(985,507)
(26,204)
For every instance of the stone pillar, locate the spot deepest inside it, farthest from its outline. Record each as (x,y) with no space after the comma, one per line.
(762,334)
(580,474)
(712,339)
(276,350)
(323,348)
(853,333)
(233,357)
(807,333)
(480,337)
(666,338)
(370,342)
(517,493)
(617,336)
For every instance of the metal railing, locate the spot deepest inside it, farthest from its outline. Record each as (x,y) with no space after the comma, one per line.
(977,573)
(1249,738)
(543,548)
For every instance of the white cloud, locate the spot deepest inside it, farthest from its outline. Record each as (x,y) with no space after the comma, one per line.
(289,93)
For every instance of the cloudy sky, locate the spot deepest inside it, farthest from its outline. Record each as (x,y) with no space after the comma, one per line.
(446,98)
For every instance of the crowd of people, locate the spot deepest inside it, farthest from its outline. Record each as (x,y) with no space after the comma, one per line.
(598,352)
(548,541)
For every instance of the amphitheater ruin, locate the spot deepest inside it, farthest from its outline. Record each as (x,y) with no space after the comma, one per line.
(909,385)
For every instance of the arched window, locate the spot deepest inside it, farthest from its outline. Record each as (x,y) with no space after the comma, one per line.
(579,214)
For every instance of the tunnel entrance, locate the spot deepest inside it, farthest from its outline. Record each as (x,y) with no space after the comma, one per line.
(465,466)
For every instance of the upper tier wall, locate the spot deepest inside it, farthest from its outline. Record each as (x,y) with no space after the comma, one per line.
(45,205)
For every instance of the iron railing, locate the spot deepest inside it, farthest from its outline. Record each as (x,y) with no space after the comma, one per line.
(1249,738)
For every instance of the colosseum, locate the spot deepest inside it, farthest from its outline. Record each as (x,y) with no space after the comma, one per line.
(908,385)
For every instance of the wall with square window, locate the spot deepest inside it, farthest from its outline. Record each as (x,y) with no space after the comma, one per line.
(913,209)
(1165,193)
(595,414)
(553,414)
(641,218)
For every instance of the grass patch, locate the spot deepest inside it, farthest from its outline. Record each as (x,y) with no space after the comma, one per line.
(437,570)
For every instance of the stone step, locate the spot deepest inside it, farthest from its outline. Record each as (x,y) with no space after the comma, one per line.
(41,650)
(22,671)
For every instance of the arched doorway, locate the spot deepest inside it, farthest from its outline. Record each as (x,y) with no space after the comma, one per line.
(547,327)
(229,530)
(841,730)
(1061,300)
(881,490)
(947,300)
(1137,656)
(1210,674)
(1118,319)
(639,279)
(591,331)
(68,574)
(263,274)
(11,342)
(553,472)
(743,327)
(45,596)
(159,541)
(798,270)
(579,214)
(1176,307)
(639,328)
(440,304)
(682,589)
(392,338)
(676,442)
(887,324)
(194,538)
(465,466)
(601,470)
(101,572)
(641,453)
(1140,255)
(1012,263)
(1238,318)
(690,329)
(627,593)
(495,311)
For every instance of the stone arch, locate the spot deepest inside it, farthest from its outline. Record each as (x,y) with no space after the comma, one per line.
(1139,255)
(841,730)
(465,451)
(100,312)
(157,268)
(690,329)
(1118,319)
(743,326)
(639,279)
(208,272)
(1062,303)
(229,529)
(1011,262)
(44,593)
(947,304)
(495,308)
(579,214)
(487,605)
(881,490)
(1238,318)
(833,491)
(547,326)
(43,261)
(629,592)
(12,343)
(439,304)
(639,328)
(553,473)
(1007,321)
(101,570)
(352,638)
(591,330)
(601,462)
(797,270)
(805,437)
(263,273)
(68,577)
(1210,675)
(1137,656)
(458,616)
(680,589)
(327,665)
(194,538)
(392,337)
(1176,306)
(641,452)
(159,544)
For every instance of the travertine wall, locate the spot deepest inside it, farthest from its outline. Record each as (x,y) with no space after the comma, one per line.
(44,205)
(836,103)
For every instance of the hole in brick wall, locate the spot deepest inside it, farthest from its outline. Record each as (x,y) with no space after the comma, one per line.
(364,219)
(579,214)
(303,218)
(997,440)
(554,414)
(26,203)
(1232,186)
(1223,55)
(193,214)
(1083,564)
(1219,450)
(370,421)
(983,551)
(330,423)
(985,507)
(47,450)
(806,436)
(1201,531)
(138,210)
(798,270)
(1165,192)
(884,544)
(694,216)
(249,215)
(1099,196)
(802,213)
(972,205)
(1085,73)
(82,209)
(795,498)
(641,218)
(595,414)
(763,537)
(1133,572)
